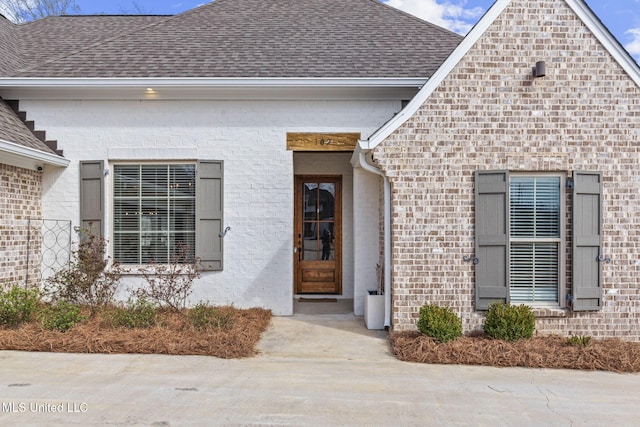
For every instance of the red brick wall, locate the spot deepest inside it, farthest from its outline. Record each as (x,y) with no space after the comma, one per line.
(489,114)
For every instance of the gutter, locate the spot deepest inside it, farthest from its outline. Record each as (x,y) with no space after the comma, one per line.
(387,234)
(200,82)
(33,154)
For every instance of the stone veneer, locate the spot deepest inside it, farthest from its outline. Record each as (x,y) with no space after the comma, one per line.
(490,114)
(20,193)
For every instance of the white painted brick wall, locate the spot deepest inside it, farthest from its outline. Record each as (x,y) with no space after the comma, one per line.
(250,136)
(366,228)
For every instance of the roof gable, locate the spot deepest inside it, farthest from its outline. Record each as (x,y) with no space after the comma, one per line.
(263,38)
(582,11)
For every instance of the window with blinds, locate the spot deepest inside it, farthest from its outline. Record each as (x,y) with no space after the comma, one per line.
(535,239)
(154,212)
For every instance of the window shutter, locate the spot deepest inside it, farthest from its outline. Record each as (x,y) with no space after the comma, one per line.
(92,196)
(492,228)
(209,209)
(587,240)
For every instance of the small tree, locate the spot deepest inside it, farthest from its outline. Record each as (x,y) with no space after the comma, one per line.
(86,280)
(29,10)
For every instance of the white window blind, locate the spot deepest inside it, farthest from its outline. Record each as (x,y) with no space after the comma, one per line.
(535,236)
(534,272)
(154,212)
(535,207)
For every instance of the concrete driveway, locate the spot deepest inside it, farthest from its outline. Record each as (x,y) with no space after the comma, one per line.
(313,370)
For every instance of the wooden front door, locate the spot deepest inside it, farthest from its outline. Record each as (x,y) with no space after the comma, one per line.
(318,234)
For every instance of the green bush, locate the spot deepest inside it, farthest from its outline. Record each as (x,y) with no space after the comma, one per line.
(440,323)
(18,305)
(509,322)
(579,340)
(138,313)
(204,316)
(61,316)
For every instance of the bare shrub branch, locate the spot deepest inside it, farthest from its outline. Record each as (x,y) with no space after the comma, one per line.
(87,280)
(170,284)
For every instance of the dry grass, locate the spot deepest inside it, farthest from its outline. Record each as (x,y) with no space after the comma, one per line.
(173,334)
(539,352)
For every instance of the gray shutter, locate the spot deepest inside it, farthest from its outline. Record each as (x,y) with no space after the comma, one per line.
(492,237)
(209,209)
(587,240)
(92,197)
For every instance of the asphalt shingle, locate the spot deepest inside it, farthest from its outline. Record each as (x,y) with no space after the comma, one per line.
(241,38)
(53,37)
(12,129)
(10,58)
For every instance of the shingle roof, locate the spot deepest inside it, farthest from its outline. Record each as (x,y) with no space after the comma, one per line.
(55,36)
(12,129)
(10,58)
(242,38)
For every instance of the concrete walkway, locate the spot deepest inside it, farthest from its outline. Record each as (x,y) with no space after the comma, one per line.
(313,370)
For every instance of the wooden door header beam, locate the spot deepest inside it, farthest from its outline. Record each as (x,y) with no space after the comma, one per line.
(322,141)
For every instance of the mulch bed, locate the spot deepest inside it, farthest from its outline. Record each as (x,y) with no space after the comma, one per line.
(173,334)
(539,352)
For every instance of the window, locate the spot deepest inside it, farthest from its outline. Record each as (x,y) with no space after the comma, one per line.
(535,236)
(520,239)
(154,210)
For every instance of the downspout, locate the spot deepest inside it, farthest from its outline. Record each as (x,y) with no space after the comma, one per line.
(387,237)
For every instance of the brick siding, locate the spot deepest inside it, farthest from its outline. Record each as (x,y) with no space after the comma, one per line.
(490,114)
(21,190)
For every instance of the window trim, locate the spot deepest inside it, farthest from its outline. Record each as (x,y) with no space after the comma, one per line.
(562,249)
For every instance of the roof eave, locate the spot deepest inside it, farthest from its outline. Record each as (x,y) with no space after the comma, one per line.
(215,82)
(604,36)
(29,158)
(441,73)
(212,88)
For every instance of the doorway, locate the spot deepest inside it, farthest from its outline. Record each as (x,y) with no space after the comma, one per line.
(318,234)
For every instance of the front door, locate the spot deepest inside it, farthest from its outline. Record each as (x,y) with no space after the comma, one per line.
(318,234)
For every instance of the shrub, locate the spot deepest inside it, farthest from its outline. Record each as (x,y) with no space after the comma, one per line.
(509,322)
(579,340)
(170,285)
(204,316)
(138,313)
(18,305)
(86,280)
(61,316)
(440,323)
